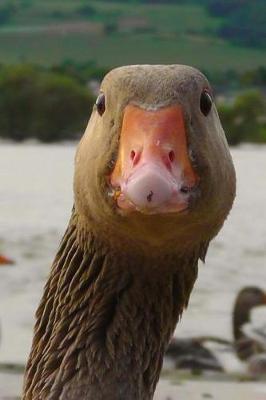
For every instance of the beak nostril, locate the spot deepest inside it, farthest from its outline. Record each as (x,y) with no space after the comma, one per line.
(135,157)
(132,155)
(171,155)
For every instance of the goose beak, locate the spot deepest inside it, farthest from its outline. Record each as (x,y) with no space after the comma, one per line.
(153,173)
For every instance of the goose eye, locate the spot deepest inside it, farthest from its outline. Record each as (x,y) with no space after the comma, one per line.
(205,102)
(100,103)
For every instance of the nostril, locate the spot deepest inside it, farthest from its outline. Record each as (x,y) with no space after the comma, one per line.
(171,155)
(135,156)
(132,155)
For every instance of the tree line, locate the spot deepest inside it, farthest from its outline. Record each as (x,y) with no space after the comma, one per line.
(242,21)
(46,105)
(244,118)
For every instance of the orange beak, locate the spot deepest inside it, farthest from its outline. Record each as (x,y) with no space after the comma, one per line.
(153,172)
(5,261)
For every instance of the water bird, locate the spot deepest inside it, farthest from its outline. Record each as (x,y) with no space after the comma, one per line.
(195,355)
(249,335)
(248,344)
(153,184)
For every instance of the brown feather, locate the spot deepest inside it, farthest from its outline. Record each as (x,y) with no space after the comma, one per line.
(119,285)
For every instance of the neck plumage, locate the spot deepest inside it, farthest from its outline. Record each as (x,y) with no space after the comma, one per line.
(104,322)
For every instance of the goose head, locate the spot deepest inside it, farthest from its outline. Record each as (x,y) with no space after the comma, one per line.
(153,169)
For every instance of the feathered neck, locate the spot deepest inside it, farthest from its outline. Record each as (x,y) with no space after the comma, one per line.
(104,321)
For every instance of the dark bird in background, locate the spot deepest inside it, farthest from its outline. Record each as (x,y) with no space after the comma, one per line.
(154,182)
(249,342)
(193,353)
(247,338)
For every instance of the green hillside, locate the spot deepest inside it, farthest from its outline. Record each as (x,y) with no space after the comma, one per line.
(112,33)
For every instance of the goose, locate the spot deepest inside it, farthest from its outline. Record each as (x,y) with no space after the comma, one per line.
(249,337)
(248,344)
(193,354)
(154,182)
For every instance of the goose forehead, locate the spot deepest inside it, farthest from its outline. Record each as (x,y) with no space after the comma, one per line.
(163,71)
(155,82)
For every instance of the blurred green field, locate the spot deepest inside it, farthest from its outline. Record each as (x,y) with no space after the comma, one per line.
(111,50)
(110,34)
